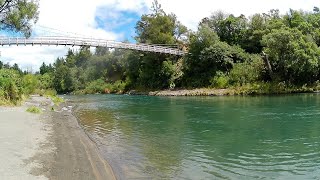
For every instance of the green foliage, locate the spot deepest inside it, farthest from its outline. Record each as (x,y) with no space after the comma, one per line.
(46,69)
(34,110)
(158,27)
(18,15)
(56,99)
(224,52)
(97,86)
(270,88)
(11,88)
(247,72)
(217,57)
(150,70)
(101,87)
(293,56)
(45,81)
(29,83)
(220,80)
(200,40)
(63,81)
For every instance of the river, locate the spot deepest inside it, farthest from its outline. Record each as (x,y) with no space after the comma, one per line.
(143,137)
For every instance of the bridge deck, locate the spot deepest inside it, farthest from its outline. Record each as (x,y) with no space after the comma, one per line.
(70,41)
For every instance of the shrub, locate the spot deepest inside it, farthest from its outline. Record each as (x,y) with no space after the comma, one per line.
(30,83)
(220,80)
(34,109)
(10,86)
(56,100)
(247,72)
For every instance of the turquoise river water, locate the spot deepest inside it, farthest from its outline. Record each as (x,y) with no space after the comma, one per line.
(265,137)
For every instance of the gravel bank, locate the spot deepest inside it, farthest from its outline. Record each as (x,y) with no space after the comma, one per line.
(50,145)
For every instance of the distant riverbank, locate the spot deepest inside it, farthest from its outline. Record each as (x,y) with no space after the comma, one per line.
(260,89)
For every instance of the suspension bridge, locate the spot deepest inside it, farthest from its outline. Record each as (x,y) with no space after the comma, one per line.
(45,36)
(82,41)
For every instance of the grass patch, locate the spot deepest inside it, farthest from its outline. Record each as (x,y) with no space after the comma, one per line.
(56,100)
(34,109)
(4,102)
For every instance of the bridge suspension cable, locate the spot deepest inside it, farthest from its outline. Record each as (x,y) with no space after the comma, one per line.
(83,41)
(43,35)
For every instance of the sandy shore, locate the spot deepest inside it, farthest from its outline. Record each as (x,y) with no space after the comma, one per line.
(50,145)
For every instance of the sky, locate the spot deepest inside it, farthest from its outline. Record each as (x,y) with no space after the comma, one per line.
(116,19)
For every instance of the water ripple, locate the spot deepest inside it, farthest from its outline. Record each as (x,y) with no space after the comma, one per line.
(206,138)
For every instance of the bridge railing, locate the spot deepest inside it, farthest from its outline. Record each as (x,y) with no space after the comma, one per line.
(80,41)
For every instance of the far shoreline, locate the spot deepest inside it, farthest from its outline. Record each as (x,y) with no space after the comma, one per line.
(210,92)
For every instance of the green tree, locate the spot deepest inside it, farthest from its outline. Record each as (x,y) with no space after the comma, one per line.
(46,81)
(101,51)
(219,57)
(250,71)
(46,68)
(18,15)
(30,83)
(156,28)
(82,57)
(257,28)
(11,88)
(232,29)
(16,67)
(293,56)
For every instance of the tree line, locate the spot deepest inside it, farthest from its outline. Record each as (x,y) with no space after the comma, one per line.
(263,53)
(227,51)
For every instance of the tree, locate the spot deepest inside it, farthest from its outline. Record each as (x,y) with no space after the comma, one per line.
(313,20)
(156,28)
(71,59)
(16,67)
(257,28)
(62,80)
(232,29)
(293,56)
(1,64)
(46,81)
(30,83)
(18,15)
(218,57)
(46,68)
(82,57)
(11,85)
(101,51)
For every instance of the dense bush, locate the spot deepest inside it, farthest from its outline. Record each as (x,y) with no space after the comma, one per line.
(247,72)
(220,80)
(11,86)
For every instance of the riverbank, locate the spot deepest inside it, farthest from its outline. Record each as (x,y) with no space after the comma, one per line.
(264,89)
(50,145)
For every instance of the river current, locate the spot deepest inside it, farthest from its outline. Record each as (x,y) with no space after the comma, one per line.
(143,137)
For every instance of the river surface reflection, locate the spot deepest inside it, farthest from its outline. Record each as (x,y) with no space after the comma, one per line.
(142,137)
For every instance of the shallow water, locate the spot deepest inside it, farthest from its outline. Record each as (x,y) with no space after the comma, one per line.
(273,137)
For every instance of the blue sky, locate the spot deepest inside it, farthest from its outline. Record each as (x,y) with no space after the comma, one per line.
(122,22)
(116,19)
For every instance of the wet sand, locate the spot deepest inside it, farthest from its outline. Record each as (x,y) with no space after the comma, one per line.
(50,145)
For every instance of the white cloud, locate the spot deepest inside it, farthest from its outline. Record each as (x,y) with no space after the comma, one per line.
(31,57)
(78,16)
(191,12)
(65,17)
